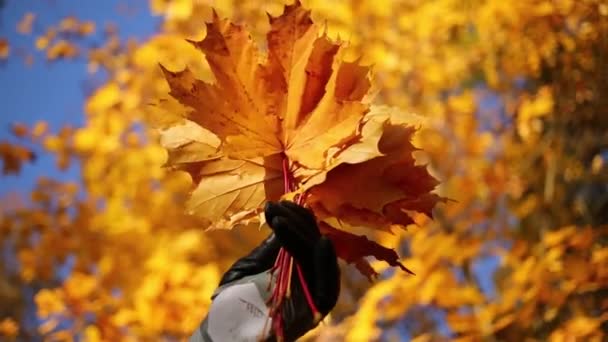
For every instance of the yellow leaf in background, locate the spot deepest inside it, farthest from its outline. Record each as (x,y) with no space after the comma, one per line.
(80,285)
(39,129)
(68,24)
(14,156)
(49,302)
(430,288)
(179,9)
(172,52)
(531,110)
(582,326)
(86,140)
(25,24)
(461,322)
(92,334)
(86,28)
(463,103)
(42,43)
(9,328)
(503,322)
(4,48)
(598,164)
(104,98)
(123,317)
(557,237)
(62,49)
(157,7)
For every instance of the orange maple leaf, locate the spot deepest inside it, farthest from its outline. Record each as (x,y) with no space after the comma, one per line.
(301,100)
(354,248)
(296,119)
(377,192)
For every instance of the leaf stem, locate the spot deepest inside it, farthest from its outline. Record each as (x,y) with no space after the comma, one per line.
(284,266)
(288,294)
(287,179)
(311,303)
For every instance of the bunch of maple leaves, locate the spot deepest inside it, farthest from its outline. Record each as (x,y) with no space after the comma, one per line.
(295,123)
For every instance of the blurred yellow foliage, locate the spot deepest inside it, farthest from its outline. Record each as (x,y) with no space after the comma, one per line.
(513,95)
(9,328)
(25,24)
(5,48)
(531,111)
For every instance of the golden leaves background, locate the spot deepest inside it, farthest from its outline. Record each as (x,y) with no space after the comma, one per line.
(512,99)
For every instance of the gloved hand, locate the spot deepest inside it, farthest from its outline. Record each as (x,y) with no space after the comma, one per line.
(239,311)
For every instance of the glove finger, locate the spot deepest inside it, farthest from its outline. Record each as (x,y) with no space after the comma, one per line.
(326,282)
(291,239)
(295,214)
(298,218)
(258,260)
(305,215)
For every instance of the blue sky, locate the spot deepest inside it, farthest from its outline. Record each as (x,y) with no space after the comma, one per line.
(54,92)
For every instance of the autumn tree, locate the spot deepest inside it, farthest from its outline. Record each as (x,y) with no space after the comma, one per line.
(511,96)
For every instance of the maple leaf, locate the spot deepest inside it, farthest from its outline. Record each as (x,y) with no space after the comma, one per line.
(362,147)
(389,184)
(353,248)
(295,120)
(189,143)
(301,100)
(229,192)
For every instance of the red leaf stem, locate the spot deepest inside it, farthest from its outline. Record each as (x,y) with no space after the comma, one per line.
(284,265)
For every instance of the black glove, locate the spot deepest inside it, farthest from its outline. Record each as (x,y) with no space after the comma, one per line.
(295,228)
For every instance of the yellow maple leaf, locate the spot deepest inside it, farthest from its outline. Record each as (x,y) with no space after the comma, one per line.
(296,103)
(301,99)
(189,142)
(232,192)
